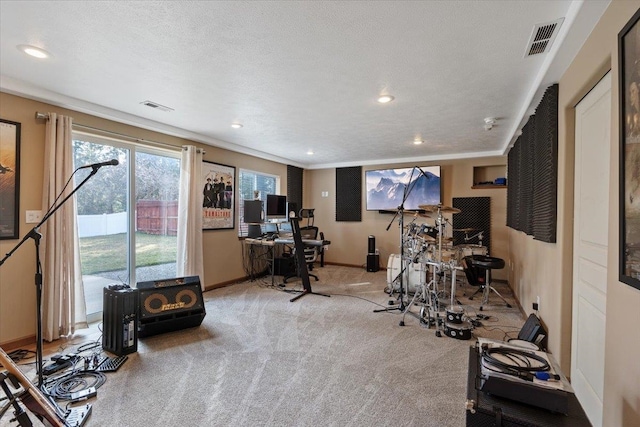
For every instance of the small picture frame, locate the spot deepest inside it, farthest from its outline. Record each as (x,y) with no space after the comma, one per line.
(9,179)
(218,196)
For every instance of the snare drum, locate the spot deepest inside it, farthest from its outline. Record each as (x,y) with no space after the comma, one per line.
(469,250)
(414,275)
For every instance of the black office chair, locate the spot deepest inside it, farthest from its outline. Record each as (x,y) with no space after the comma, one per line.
(310,252)
(478,268)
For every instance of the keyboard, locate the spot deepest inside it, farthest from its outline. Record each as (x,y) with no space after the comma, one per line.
(111,364)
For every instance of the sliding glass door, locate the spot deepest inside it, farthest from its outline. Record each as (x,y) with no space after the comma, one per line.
(127,215)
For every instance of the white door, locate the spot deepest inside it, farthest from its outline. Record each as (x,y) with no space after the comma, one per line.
(590,239)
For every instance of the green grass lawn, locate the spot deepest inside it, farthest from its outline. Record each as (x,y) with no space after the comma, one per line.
(109,253)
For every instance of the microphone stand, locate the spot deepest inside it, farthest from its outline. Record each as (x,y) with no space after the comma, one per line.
(400,212)
(34,234)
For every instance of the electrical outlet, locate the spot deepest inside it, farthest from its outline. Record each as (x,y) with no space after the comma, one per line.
(33,217)
(325,194)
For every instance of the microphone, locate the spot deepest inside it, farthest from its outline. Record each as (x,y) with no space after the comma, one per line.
(112,162)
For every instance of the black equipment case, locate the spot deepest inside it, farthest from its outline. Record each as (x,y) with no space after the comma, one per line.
(486,410)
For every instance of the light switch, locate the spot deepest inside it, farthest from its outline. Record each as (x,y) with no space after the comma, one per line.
(325,194)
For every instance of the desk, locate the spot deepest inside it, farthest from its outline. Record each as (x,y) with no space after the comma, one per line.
(261,254)
(264,252)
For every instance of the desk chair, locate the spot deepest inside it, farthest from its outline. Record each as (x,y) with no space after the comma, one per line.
(478,268)
(310,252)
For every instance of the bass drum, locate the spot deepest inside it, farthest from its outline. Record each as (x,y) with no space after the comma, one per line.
(414,275)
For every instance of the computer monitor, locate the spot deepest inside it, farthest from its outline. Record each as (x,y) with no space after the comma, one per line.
(276,207)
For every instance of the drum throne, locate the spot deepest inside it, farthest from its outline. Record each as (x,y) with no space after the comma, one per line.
(478,268)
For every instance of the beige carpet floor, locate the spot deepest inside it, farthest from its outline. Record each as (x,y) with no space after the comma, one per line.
(260,360)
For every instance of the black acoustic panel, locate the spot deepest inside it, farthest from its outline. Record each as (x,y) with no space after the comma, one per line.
(512,171)
(545,189)
(294,185)
(475,213)
(349,194)
(527,171)
(533,173)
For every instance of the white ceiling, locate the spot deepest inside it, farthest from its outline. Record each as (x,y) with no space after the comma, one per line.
(299,75)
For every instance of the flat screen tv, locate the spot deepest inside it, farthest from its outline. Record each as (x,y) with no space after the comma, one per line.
(276,206)
(386,188)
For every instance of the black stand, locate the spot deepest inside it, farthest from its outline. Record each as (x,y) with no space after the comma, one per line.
(20,415)
(402,307)
(303,271)
(36,236)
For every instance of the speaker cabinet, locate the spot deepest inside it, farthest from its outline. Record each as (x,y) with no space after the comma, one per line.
(120,319)
(373,262)
(169,305)
(253,212)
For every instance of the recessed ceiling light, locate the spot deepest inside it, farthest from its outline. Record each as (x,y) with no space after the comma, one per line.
(36,52)
(236,125)
(310,152)
(385,99)
(417,141)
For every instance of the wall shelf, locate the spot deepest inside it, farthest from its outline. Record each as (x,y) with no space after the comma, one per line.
(476,187)
(488,175)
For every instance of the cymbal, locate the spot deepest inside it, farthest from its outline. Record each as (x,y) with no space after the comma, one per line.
(436,208)
(465,230)
(412,213)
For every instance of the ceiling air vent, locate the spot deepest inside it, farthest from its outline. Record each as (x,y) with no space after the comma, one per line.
(542,37)
(156,106)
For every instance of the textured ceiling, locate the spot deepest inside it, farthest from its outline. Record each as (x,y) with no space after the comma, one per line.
(299,75)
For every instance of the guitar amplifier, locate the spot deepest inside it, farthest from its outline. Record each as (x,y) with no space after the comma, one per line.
(120,319)
(170,304)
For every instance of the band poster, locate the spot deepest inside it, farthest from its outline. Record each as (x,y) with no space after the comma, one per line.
(218,200)
(629,49)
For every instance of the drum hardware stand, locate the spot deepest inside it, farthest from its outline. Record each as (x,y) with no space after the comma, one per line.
(478,235)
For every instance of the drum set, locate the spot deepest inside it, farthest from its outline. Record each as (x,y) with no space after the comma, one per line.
(425,270)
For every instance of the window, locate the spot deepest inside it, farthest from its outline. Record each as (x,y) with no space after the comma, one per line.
(250,182)
(127,215)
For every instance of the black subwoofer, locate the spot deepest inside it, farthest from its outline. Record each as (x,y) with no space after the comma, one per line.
(169,305)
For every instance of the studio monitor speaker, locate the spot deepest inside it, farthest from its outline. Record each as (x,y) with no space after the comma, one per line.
(253,212)
(169,305)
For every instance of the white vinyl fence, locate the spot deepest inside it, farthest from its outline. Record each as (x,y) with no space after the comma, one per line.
(102,225)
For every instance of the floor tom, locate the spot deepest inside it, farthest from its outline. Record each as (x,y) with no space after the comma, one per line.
(469,250)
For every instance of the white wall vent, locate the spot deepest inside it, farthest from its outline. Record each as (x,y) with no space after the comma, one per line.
(156,106)
(542,37)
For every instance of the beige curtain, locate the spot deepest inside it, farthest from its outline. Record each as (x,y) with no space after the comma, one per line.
(189,256)
(63,305)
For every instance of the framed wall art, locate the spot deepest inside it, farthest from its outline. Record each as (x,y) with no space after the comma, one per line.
(9,179)
(629,80)
(218,191)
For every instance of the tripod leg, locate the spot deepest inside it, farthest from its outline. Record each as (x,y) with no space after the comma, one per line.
(501,297)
